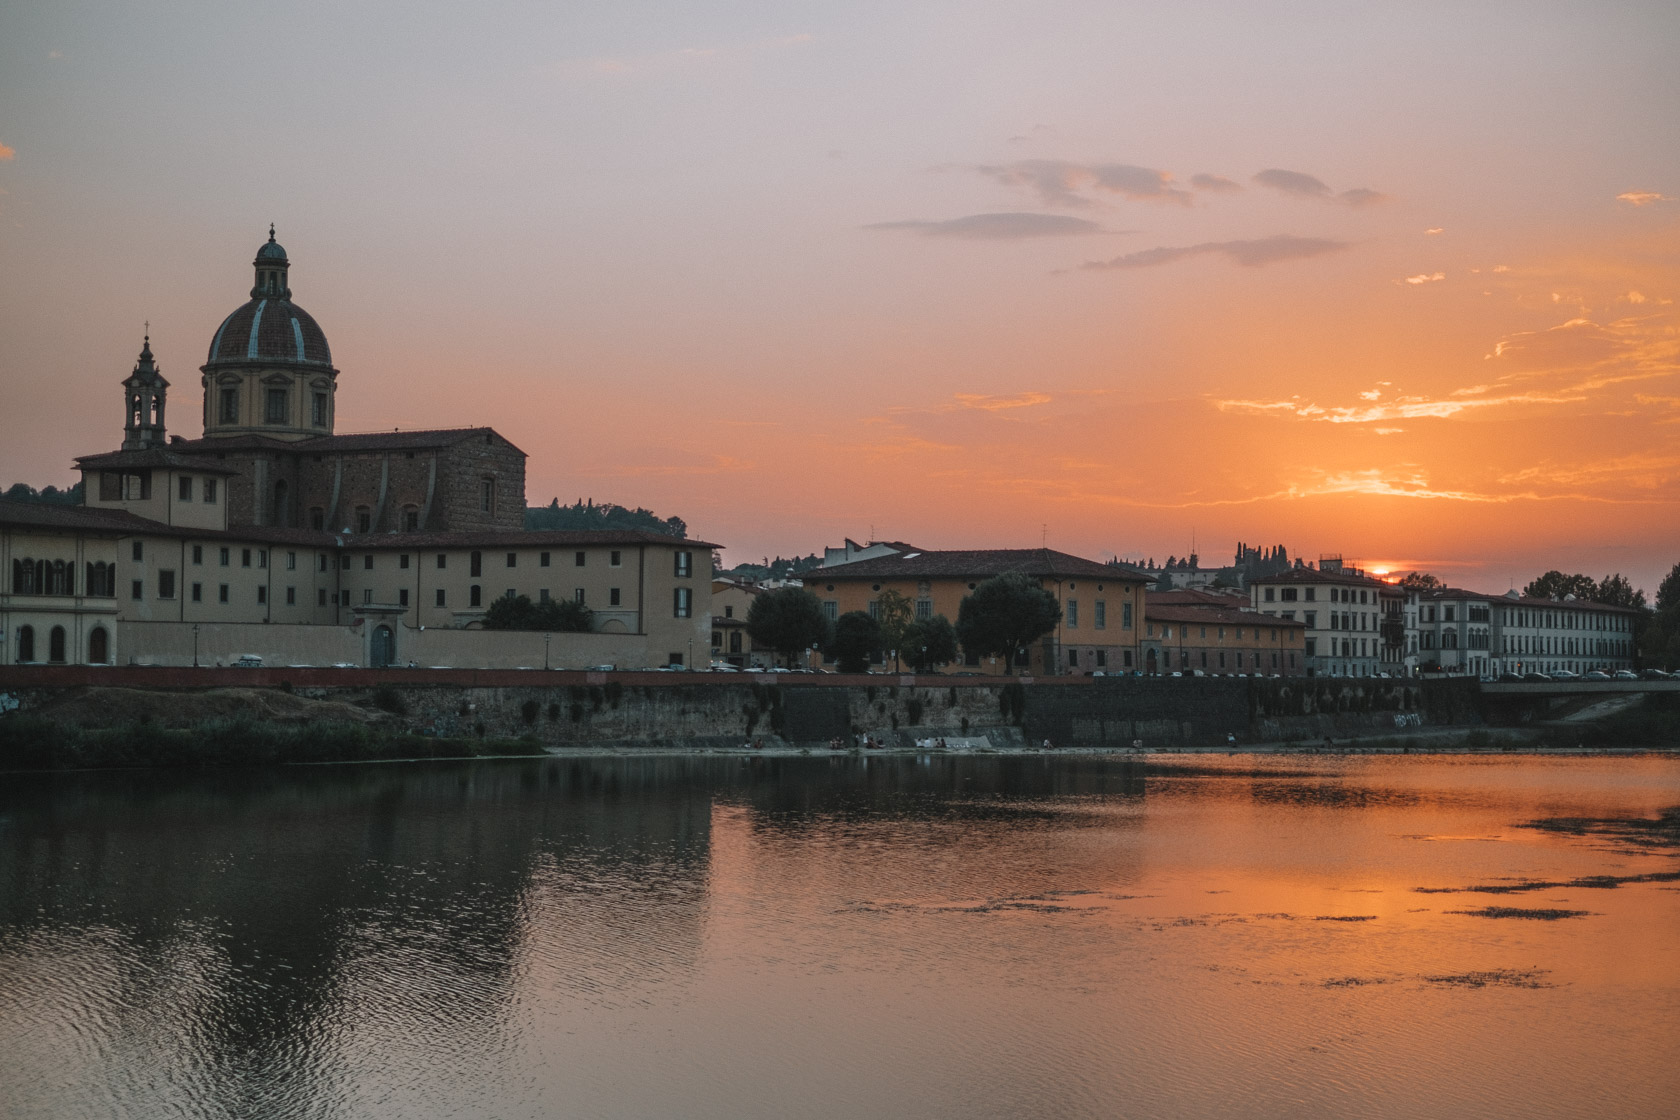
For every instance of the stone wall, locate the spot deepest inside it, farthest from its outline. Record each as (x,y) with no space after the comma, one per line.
(462,467)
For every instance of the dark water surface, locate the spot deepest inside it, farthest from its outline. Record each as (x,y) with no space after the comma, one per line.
(880,937)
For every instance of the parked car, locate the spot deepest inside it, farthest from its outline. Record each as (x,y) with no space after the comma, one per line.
(250,661)
(1562,675)
(1537,678)
(1595,675)
(1509,678)
(1654,675)
(1624,675)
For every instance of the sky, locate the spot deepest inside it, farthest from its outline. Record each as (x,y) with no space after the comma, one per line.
(1389,281)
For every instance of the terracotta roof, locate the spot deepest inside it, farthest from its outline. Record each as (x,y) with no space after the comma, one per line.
(1191,597)
(1552,604)
(511,538)
(1154,613)
(150,458)
(1437,593)
(977,563)
(80,518)
(1313,575)
(328,445)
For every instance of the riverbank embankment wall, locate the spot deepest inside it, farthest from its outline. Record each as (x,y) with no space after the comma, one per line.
(580,709)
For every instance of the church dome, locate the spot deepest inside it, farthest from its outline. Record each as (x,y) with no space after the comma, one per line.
(270,329)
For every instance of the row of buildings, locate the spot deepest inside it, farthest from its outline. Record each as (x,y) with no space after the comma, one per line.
(272,535)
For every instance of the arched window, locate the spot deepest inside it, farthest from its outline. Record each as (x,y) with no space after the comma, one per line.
(26,644)
(55,645)
(99,646)
(61,579)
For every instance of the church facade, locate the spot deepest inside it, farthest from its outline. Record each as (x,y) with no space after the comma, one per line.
(362,542)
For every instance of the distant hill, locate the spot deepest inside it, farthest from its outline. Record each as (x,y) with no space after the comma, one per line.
(46,496)
(587,515)
(779,568)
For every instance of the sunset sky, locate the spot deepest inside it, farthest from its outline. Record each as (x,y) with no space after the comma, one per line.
(1391,281)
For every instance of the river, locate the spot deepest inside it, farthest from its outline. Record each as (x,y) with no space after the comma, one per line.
(883,936)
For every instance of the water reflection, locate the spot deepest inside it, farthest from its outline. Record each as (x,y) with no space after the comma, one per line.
(942,935)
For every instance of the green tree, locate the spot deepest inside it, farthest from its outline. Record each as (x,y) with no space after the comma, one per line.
(893,611)
(47,495)
(1419,581)
(930,642)
(856,636)
(787,620)
(1555,585)
(1004,615)
(1617,591)
(517,612)
(1660,642)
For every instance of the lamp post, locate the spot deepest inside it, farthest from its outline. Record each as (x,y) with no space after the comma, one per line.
(921,666)
(195,645)
(690,665)
(546,637)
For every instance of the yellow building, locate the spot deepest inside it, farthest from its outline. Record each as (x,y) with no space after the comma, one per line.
(1197,632)
(1101,604)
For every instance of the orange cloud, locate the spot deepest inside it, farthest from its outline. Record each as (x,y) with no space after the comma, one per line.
(1642,198)
(7,153)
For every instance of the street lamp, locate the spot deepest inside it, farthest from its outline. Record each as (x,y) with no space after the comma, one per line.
(195,645)
(546,637)
(690,665)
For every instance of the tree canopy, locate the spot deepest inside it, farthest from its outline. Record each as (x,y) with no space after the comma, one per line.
(1661,640)
(930,641)
(1419,581)
(1612,590)
(893,612)
(518,612)
(46,495)
(787,620)
(856,636)
(1004,615)
(588,515)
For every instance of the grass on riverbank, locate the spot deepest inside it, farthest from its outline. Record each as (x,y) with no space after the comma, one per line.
(1654,723)
(31,743)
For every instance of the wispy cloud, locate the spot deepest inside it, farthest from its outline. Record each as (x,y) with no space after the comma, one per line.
(1251,254)
(7,153)
(1216,183)
(998,227)
(1001,404)
(1059,183)
(1424,278)
(1642,198)
(1301,185)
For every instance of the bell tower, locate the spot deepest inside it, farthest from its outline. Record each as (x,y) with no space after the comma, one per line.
(144,392)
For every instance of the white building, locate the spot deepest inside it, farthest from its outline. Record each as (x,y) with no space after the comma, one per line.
(1544,635)
(1355,625)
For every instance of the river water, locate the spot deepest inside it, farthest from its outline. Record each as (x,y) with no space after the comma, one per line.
(711,936)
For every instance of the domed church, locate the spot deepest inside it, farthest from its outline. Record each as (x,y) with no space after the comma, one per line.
(270,389)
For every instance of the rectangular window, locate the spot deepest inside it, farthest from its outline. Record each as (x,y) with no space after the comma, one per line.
(367,562)
(924,609)
(613,597)
(475,596)
(364,521)
(1102,658)
(276,411)
(402,560)
(319,414)
(262,594)
(831,609)
(475,563)
(321,597)
(137,551)
(1269,594)
(184,487)
(1312,594)
(198,593)
(402,596)
(577,595)
(291,561)
(442,561)
(230,405)
(542,561)
(513,559)
(1073,614)
(367,595)
(244,558)
(198,554)
(291,596)
(209,491)
(614,559)
(1288,594)
(580,559)
(262,557)
(166,585)
(411,520)
(137,589)
(542,595)
(1126,615)
(1312,647)
(487,495)
(222,593)
(1073,658)
(344,598)
(440,600)
(683,602)
(1099,617)
(684,565)
(1312,619)
(344,562)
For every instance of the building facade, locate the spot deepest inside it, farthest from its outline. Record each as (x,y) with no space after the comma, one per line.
(1204,633)
(1354,625)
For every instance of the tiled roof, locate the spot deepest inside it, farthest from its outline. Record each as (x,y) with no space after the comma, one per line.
(1213,615)
(1438,593)
(512,538)
(1313,575)
(150,458)
(976,563)
(416,439)
(79,518)
(1553,604)
(1191,597)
